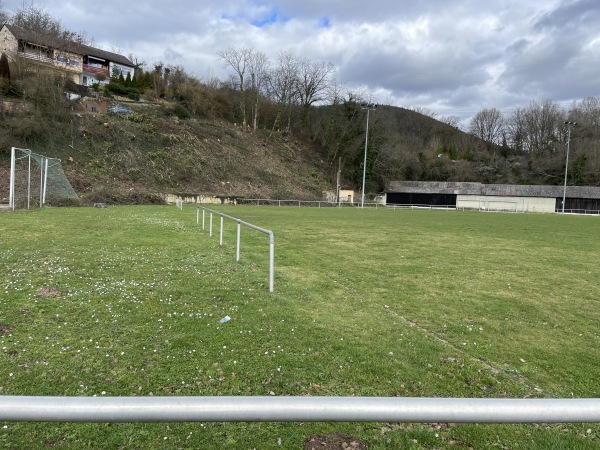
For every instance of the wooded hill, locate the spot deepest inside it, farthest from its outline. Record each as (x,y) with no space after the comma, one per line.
(195,143)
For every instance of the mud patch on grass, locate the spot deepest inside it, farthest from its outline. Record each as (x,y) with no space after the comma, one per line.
(47,292)
(334,441)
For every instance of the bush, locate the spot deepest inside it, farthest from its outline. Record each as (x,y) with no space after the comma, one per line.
(115,88)
(181,112)
(10,88)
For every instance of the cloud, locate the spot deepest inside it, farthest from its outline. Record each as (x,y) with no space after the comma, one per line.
(453,57)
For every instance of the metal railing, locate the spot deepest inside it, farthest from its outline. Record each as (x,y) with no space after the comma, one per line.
(238,244)
(410,206)
(303,203)
(297,409)
(585,212)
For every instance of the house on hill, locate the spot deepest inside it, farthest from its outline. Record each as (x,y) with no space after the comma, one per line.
(83,64)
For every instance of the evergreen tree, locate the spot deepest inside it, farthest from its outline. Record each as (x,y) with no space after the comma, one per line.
(4,67)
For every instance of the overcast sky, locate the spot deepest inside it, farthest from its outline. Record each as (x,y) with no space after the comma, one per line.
(453,57)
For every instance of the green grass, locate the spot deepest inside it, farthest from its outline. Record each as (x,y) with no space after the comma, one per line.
(367,302)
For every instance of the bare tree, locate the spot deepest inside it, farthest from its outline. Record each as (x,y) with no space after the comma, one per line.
(282,85)
(35,18)
(587,112)
(424,110)
(3,15)
(258,66)
(453,121)
(515,131)
(587,137)
(238,60)
(487,125)
(537,127)
(314,80)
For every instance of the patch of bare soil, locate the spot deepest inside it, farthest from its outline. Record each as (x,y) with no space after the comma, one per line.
(47,292)
(5,329)
(334,441)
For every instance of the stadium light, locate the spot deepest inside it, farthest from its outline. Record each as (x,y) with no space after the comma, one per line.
(569,126)
(369,107)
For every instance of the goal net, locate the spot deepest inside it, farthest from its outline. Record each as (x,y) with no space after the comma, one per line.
(36,180)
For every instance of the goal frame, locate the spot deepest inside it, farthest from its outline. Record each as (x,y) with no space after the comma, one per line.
(45,163)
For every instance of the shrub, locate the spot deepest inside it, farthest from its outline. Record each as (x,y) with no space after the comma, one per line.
(181,112)
(116,88)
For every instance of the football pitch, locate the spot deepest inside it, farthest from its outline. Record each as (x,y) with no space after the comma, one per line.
(128,301)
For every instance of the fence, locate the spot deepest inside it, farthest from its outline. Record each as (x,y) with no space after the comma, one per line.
(239,225)
(443,207)
(303,203)
(297,409)
(585,212)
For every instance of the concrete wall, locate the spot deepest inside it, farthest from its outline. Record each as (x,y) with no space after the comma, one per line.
(346,196)
(199,199)
(505,203)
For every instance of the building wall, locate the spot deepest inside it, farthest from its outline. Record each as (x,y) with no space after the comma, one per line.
(505,203)
(119,69)
(8,43)
(69,62)
(506,190)
(347,196)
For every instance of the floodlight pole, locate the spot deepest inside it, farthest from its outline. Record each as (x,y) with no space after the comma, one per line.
(369,107)
(569,126)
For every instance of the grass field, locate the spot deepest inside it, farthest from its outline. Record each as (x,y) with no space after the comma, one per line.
(127,300)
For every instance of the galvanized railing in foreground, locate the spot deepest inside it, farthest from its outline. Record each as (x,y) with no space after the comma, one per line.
(239,224)
(297,409)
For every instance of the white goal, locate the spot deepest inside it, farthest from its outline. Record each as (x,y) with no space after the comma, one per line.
(36,180)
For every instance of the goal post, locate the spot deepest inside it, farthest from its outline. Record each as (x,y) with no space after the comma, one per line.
(36,179)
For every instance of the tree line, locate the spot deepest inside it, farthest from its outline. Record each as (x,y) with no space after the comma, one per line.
(540,130)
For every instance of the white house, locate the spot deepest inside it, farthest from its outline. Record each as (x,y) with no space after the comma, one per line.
(83,64)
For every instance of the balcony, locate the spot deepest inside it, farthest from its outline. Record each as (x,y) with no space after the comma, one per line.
(36,57)
(95,70)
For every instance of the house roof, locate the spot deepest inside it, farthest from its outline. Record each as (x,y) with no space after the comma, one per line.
(66,45)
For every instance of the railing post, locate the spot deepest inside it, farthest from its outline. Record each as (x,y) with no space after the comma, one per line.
(237,249)
(271,260)
(221,234)
(210,225)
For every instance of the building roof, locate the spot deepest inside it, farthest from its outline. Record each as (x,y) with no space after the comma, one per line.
(504,190)
(66,45)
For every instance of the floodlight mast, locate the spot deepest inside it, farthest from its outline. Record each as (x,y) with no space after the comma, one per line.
(569,126)
(369,107)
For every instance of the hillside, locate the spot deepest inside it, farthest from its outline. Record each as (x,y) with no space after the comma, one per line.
(158,150)
(130,157)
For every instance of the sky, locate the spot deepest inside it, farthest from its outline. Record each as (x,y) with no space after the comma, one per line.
(448,57)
